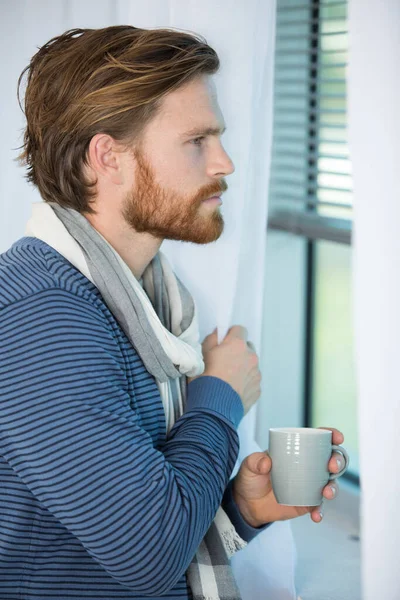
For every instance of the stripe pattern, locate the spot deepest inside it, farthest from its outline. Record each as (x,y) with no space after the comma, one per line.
(95,501)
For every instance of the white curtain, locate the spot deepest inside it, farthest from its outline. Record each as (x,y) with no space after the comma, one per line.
(226,278)
(374,135)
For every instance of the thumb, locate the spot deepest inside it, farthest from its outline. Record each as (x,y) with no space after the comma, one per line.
(258,463)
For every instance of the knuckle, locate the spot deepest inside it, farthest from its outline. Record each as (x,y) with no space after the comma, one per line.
(254,360)
(240,344)
(239,329)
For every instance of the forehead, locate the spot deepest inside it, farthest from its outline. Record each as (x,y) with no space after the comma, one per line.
(191,107)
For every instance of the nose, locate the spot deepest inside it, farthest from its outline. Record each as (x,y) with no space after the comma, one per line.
(221,164)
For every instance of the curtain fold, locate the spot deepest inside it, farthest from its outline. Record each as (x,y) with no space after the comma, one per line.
(374,141)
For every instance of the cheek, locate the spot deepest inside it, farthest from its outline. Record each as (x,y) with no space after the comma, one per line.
(190,168)
(179,170)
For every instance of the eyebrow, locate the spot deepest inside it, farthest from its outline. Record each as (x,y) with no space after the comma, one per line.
(200,131)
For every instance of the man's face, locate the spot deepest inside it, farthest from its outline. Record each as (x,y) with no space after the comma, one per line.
(175,171)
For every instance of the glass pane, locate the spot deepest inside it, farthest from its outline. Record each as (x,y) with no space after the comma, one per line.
(333,403)
(338,42)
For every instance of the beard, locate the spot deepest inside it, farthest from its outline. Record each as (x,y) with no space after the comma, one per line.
(166,214)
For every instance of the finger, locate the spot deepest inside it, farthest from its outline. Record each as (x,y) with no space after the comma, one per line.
(252,391)
(337,436)
(254,374)
(210,341)
(336,463)
(317,514)
(330,491)
(252,347)
(238,331)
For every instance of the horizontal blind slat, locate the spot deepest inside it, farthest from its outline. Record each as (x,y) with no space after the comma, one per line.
(311,51)
(311,225)
(302,199)
(281,8)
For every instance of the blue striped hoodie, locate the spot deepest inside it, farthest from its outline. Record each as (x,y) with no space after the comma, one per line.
(95,500)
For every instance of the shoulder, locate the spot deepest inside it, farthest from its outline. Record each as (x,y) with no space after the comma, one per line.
(37,284)
(31,267)
(22,272)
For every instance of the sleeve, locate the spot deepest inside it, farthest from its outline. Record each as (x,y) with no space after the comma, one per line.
(246,531)
(68,430)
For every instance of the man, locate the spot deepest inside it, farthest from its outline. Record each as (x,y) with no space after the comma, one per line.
(112,473)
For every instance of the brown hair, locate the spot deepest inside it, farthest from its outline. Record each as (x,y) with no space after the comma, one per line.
(89,81)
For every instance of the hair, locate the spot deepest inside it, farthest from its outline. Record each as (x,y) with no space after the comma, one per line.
(89,81)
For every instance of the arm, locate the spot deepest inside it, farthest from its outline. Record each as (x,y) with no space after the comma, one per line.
(69,432)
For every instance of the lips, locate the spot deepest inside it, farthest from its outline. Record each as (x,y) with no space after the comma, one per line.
(214,200)
(214,197)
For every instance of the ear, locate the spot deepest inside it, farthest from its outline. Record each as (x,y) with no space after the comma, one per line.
(105,158)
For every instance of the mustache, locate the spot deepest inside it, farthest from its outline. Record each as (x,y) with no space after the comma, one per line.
(213,189)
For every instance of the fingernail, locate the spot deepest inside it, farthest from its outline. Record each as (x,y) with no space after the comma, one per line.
(333,489)
(321,514)
(339,463)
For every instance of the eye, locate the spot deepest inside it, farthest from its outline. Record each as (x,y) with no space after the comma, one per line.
(197,141)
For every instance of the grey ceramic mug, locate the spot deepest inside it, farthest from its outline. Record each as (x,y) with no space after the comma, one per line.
(300,457)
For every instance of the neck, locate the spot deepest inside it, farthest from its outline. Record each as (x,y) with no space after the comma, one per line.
(136,249)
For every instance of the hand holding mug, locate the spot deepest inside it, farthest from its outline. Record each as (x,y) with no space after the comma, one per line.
(254,494)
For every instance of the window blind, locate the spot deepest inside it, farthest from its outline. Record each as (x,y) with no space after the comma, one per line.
(310,182)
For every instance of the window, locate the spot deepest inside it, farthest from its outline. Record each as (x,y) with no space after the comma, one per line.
(311,198)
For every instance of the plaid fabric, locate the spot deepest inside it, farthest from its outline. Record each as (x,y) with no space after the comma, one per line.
(209,574)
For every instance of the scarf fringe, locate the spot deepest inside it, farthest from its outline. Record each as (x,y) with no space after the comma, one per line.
(232,542)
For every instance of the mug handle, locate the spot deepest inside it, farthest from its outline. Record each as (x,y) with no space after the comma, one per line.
(346,461)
